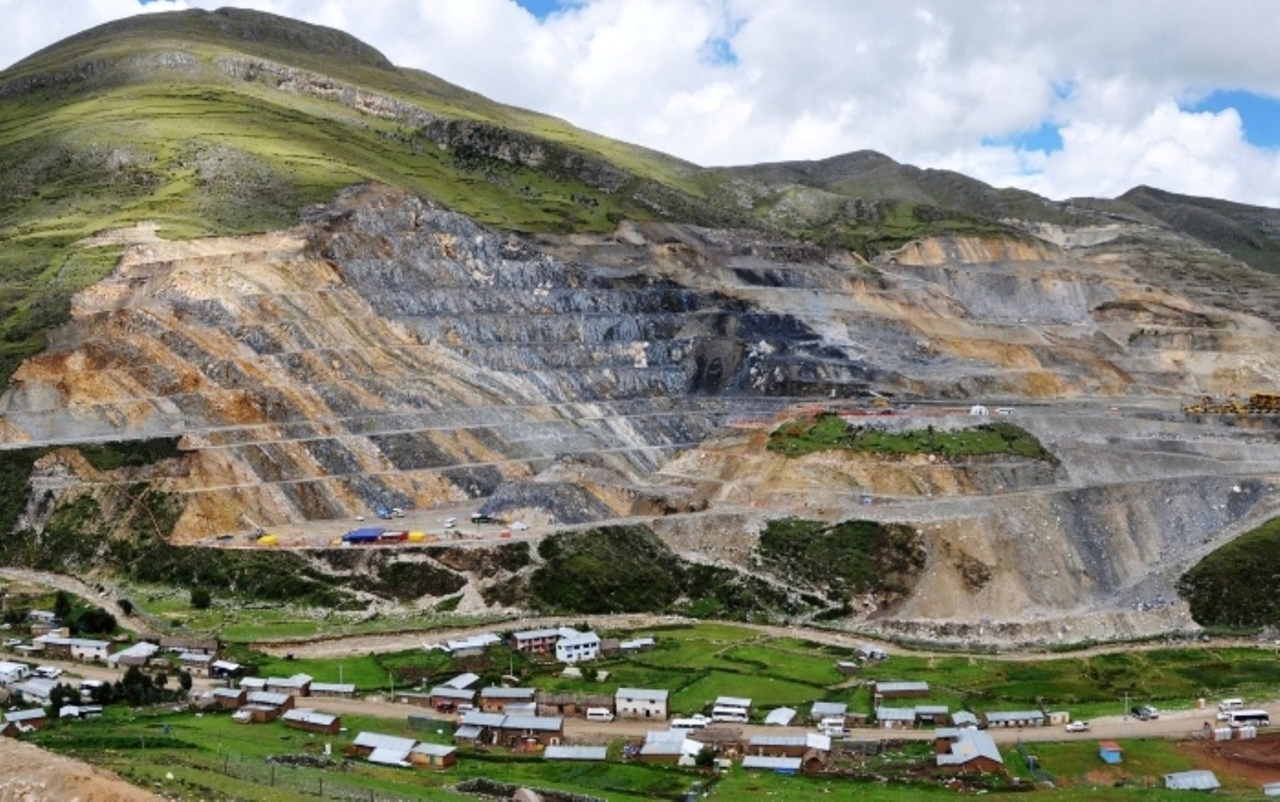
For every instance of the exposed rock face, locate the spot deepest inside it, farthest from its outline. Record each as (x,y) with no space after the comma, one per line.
(391,353)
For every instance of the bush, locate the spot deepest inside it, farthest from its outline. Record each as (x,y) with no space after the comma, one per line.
(200,598)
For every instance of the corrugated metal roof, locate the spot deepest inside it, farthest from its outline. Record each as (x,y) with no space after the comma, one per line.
(780,717)
(253,682)
(896,713)
(25,715)
(823,709)
(462,681)
(435,750)
(307,716)
(195,657)
(902,687)
(377,740)
(389,757)
(479,719)
(576,753)
(642,694)
(545,723)
(534,634)
(1016,715)
(468,732)
(495,692)
(771,763)
(931,710)
(266,698)
(225,665)
(451,693)
(230,693)
(808,741)
(963,717)
(1196,780)
(333,687)
(732,701)
(969,745)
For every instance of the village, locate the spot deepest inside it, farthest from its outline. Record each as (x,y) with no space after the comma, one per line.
(573,710)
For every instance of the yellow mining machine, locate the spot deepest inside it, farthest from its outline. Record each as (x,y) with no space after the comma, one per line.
(1258,404)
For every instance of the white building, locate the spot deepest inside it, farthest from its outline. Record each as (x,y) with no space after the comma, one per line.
(578,647)
(641,703)
(13,672)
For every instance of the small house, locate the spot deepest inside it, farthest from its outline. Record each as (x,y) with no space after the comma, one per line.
(1110,752)
(1017,718)
(868,652)
(312,721)
(568,704)
(668,746)
(964,718)
(253,683)
(416,699)
(333,690)
(229,698)
(444,698)
(36,691)
(280,702)
(967,751)
(367,743)
(720,739)
(196,663)
(636,645)
(896,718)
(821,710)
(1197,780)
(789,745)
(175,643)
(139,655)
(225,669)
(80,711)
(479,728)
(641,703)
(780,717)
(932,715)
(256,714)
(473,646)
(297,685)
(530,732)
(82,649)
(26,720)
(496,700)
(433,756)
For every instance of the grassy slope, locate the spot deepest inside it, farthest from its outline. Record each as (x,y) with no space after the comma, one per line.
(1223,588)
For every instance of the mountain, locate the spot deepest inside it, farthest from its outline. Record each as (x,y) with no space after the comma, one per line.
(254,275)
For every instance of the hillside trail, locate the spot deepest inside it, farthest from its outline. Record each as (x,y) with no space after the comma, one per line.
(87,592)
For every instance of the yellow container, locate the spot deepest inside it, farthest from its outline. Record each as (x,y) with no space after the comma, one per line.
(417,537)
(268,540)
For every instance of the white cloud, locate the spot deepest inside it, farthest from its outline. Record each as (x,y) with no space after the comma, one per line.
(927,82)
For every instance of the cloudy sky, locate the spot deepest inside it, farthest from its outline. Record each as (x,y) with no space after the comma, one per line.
(1063,97)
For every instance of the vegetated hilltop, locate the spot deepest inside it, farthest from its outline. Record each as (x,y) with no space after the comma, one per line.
(371,288)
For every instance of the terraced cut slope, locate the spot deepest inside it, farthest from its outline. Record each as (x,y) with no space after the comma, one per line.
(336,286)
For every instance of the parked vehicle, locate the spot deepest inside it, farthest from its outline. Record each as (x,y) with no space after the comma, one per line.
(1144,713)
(1250,718)
(691,723)
(10,642)
(1078,726)
(47,672)
(599,714)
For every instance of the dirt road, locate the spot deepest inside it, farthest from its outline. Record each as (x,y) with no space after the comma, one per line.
(78,588)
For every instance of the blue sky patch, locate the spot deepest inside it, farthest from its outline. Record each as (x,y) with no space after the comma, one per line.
(1048,138)
(541,9)
(1259,114)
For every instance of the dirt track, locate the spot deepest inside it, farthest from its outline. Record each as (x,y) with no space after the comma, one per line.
(30,774)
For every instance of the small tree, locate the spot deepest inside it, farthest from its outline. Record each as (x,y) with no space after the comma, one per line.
(705,759)
(184,680)
(126,607)
(62,695)
(62,606)
(200,598)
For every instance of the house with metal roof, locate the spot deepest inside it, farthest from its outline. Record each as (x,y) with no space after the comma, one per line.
(229,698)
(366,742)
(333,690)
(896,718)
(1110,752)
(253,683)
(780,717)
(967,751)
(662,746)
(473,646)
(789,745)
(225,669)
(443,697)
(636,645)
(35,690)
(539,641)
(963,718)
(196,663)
(73,648)
(900,689)
(433,756)
(282,702)
(312,721)
(529,732)
(641,703)
(1196,780)
(26,720)
(499,700)
(297,685)
(821,710)
(1016,718)
(139,654)
(13,672)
